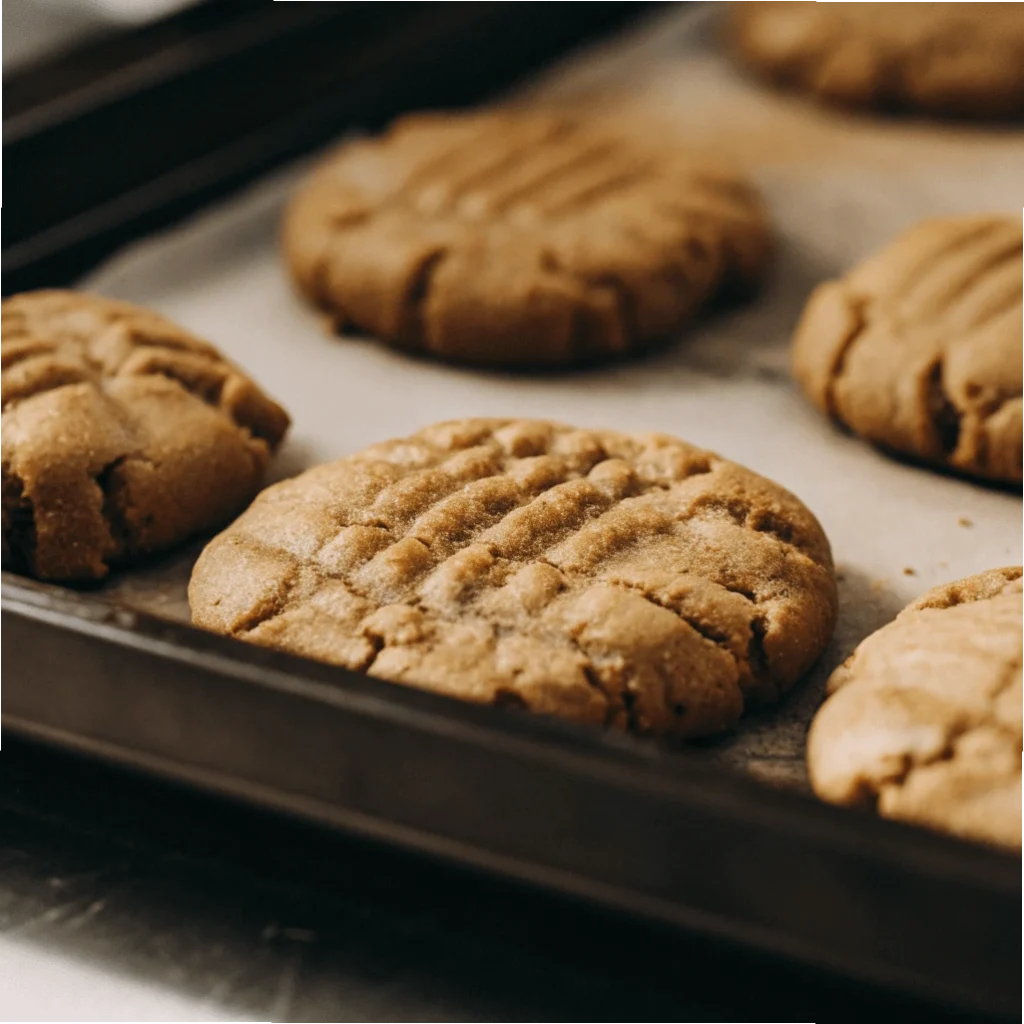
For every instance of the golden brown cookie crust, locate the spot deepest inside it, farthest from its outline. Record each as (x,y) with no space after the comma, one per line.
(924,719)
(519,239)
(631,580)
(919,348)
(122,434)
(955,59)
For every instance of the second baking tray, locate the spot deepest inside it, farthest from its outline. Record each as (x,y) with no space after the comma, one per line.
(681,836)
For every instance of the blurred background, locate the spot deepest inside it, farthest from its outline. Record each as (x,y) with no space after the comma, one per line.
(34,28)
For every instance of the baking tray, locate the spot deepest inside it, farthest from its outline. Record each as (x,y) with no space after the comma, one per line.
(687,837)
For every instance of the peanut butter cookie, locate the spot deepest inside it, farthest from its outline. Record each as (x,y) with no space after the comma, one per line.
(122,434)
(956,59)
(519,239)
(925,717)
(634,581)
(919,349)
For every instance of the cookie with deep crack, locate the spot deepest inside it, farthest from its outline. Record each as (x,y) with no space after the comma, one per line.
(122,434)
(520,239)
(631,580)
(949,59)
(919,348)
(924,719)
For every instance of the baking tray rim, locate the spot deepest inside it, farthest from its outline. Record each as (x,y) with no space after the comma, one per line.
(643,761)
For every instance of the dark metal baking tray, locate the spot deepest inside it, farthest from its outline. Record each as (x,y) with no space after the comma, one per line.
(604,818)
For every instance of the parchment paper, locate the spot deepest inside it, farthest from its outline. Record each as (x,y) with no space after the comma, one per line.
(838,187)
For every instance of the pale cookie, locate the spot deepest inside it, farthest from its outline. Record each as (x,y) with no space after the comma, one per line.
(519,239)
(919,348)
(634,581)
(122,434)
(955,59)
(925,718)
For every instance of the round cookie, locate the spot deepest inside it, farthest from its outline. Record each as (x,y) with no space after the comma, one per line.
(122,434)
(630,580)
(519,239)
(919,348)
(924,718)
(953,59)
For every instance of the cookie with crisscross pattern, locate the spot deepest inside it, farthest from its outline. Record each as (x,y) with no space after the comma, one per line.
(520,239)
(635,581)
(919,348)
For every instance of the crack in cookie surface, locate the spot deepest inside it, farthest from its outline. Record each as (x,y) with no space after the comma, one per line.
(122,434)
(589,573)
(924,719)
(519,239)
(918,348)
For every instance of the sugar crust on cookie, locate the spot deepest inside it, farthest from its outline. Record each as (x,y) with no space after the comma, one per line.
(924,719)
(122,434)
(630,580)
(520,239)
(918,349)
